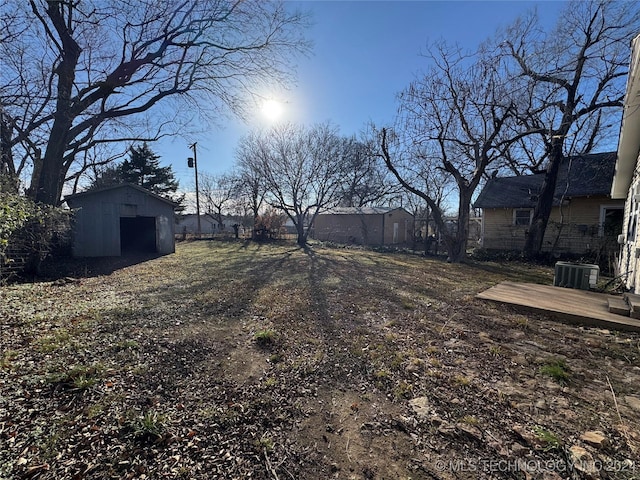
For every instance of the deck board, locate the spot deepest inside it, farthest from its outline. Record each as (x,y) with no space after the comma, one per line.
(566,304)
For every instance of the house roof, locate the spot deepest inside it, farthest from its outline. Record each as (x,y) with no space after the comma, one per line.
(89,193)
(580,176)
(361,210)
(629,142)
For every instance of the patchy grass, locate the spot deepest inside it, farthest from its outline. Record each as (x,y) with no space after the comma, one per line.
(7,359)
(495,350)
(149,426)
(548,439)
(557,369)
(127,344)
(470,420)
(265,443)
(266,337)
(78,377)
(58,340)
(152,369)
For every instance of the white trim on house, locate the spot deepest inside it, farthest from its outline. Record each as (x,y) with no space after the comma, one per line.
(626,181)
(629,142)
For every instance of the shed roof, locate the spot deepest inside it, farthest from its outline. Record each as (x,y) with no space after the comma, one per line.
(361,210)
(580,176)
(89,193)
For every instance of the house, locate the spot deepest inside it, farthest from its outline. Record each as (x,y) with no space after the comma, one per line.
(364,226)
(585,218)
(475,227)
(187,223)
(121,219)
(626,181)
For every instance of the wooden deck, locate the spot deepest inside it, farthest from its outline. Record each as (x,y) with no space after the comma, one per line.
(566,304)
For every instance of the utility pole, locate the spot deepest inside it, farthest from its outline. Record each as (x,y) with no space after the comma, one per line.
(193,163)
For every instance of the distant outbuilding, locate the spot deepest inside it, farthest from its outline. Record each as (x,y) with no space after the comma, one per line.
(364,226)
(121,219)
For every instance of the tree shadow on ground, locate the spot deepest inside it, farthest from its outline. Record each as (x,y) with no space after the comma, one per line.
(515,271)
(87,267)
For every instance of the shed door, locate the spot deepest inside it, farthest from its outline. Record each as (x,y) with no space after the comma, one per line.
(138,235)
(395,232)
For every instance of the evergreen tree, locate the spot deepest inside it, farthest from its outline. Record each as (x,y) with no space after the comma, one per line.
(106,176)
(143,168)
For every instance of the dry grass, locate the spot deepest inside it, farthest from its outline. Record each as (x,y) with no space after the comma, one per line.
(230,359)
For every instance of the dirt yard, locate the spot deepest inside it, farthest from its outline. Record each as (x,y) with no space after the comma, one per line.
(237,360)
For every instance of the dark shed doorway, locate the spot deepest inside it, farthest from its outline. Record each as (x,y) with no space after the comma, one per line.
(138,235)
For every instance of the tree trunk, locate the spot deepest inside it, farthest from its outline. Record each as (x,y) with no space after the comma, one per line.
(255,210)
(7,167)
(48,186)
(542,211)
(302,234)
(457,246)
(302,238)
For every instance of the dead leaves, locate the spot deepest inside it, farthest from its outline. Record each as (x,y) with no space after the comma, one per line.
(154,371)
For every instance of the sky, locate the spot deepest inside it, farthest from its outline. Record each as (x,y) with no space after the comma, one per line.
(364,53)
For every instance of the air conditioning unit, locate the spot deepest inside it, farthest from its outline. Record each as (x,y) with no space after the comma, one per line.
(582,276)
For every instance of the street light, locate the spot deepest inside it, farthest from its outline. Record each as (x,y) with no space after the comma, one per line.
(193,163)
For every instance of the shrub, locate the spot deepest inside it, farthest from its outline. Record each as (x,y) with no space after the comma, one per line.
(29,232)
(268,225)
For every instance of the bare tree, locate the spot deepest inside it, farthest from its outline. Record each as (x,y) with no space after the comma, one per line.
(301,169)
(252,184)
(439,187)
(102,67)
(569,85)
(365,182)
(218,195)
(453,119)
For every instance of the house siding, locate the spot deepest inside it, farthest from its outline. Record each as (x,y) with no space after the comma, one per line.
(626,181)
(346,228)
(630,249)
(573,229)
(404,221)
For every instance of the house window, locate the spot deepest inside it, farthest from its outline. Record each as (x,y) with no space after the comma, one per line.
(522,217)
(633,216)
(611,219)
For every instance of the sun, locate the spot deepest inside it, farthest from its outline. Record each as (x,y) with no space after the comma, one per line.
(272,110)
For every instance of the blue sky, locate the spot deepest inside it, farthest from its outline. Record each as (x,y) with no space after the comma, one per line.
(365,52)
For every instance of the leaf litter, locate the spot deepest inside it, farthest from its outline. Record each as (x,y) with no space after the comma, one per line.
(240,360)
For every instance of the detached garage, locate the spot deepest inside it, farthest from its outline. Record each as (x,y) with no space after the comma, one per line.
(364,226)
(120,220)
